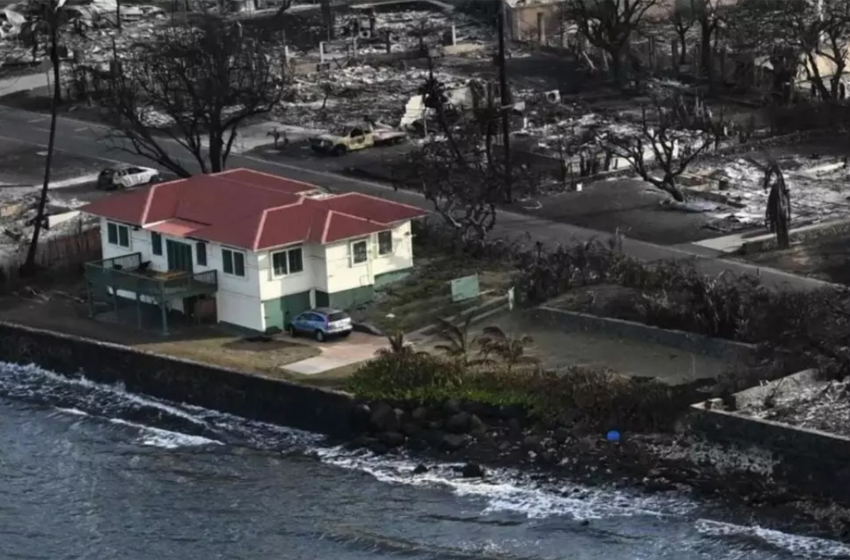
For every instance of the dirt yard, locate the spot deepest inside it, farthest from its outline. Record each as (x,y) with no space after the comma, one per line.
(63,309)
(825,258)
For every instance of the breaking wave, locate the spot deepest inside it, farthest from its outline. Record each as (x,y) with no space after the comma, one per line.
(169,426)
(798,546)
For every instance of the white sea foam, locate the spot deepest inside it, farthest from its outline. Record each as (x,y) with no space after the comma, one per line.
(506,490)
(165,439)
(799,546)
(72,411)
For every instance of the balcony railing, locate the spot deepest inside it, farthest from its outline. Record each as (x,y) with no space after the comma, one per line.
(129,273)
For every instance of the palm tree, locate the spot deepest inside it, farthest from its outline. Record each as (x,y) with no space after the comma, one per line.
(456,343)
(507,347)
(398,347)
(44,18)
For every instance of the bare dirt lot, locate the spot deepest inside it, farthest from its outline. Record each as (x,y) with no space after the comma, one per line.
(557,349)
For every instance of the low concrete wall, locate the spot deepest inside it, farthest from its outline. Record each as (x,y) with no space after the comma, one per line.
(689,342)
(809,461)
(801,234)
(178,380)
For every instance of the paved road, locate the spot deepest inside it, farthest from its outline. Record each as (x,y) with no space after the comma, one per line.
(86,139)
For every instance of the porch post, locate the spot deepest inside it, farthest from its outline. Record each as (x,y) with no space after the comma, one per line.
(162,308)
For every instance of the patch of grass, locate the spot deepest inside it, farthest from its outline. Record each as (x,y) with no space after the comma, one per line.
(264,358)
(423,297)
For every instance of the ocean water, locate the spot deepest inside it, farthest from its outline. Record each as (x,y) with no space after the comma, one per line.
(89,471)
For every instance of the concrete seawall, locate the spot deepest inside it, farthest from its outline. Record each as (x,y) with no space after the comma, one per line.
(179,380)
(812,462)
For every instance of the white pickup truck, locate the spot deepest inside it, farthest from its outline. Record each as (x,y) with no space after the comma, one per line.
(356,136)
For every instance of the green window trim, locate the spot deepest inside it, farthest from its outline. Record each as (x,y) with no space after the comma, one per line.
(156,243)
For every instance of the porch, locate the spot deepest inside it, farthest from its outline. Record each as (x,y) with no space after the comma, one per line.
(120,281)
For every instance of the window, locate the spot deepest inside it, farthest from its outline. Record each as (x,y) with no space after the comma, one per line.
(117,234)
(359,252)
(156,243)
(287,262)
(385,242)
(233,262)
(279,266)
(201,251)
(296,260)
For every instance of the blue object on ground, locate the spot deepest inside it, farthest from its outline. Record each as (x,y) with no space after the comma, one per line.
(613,435)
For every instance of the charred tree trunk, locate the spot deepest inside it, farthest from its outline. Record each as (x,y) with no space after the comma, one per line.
(29,267)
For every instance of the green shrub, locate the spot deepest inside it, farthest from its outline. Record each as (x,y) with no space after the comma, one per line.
(587,397)
(401,377)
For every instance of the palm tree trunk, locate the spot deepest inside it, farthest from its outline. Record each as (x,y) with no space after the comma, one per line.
(29,267)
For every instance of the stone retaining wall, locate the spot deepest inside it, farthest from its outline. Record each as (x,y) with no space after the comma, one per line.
(809,461)
(178,380)
(688,342)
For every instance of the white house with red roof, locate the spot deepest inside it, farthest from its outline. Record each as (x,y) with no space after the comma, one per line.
(263,248)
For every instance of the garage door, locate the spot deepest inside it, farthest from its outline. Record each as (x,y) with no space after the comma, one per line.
(279,311)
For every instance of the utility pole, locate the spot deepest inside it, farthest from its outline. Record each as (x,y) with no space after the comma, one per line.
(505,110)
(118,14)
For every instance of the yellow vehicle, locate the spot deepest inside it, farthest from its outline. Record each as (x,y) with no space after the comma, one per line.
(353,137)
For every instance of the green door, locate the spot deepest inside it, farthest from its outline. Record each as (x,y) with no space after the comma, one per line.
(179,256)
(279,312)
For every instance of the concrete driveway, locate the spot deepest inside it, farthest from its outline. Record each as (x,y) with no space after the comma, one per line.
(358,347)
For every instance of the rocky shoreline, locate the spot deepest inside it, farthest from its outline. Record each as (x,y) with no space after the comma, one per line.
(480,437)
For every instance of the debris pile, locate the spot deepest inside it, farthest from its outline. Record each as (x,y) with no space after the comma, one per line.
(17,219)
(346,95)
(818,192)
(407,30)
(90,37)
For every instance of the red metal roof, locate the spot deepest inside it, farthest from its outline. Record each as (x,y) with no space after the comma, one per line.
(251,210)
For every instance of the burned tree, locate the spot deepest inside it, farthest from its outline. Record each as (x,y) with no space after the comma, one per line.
(795,36)
(609,26)
(683,18)
(708,16)
(778,213)
(459,170)
(45,20)
(202,82)
(661,146)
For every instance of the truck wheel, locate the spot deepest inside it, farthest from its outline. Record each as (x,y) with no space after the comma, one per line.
(339,151)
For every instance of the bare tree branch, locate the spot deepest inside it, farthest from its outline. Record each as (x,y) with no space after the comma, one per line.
(662,147)
(205,81)
(608,25)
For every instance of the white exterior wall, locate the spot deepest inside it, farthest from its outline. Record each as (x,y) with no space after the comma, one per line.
(237,299)
(343,275)
(313,275)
